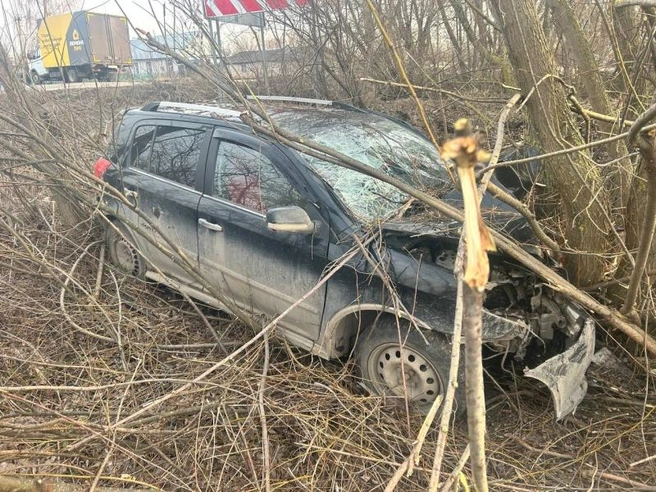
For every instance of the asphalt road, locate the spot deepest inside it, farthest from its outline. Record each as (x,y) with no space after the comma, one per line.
(87,84)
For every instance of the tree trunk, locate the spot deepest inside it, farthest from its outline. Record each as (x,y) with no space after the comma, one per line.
(567,23)
(574,177)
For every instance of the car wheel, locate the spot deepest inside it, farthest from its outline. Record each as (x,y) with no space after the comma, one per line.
(122,252)
(383,363)
(34,77)
(72,76)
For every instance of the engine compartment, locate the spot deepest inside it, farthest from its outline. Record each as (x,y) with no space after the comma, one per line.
(512,293)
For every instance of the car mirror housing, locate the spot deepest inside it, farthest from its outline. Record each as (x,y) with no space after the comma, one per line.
(289,219)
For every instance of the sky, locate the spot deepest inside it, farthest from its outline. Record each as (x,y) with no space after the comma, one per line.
(139,12)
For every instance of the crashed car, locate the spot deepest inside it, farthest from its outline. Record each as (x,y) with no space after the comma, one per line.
(263,223)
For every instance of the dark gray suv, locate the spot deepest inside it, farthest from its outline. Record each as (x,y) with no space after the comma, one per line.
(262,223)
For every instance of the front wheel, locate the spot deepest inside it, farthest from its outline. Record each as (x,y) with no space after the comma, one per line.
(34,77)
(385,364)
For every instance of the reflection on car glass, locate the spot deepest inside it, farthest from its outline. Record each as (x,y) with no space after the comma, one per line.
(142,146)
(246,177)
(175,154)
(378,142)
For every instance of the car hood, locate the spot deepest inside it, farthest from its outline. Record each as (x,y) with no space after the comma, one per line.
(496,214)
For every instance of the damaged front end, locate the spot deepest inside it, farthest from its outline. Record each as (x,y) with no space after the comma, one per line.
(556,345)
(551,338)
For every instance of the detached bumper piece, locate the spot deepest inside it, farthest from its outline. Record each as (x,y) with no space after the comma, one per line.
(564,374)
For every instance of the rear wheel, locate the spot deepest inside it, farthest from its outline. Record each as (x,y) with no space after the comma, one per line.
(385,364)
(122,251)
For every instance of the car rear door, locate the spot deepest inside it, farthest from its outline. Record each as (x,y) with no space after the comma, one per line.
(262,271)
(164,169)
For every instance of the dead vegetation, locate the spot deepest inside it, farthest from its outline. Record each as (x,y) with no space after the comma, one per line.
(107,381)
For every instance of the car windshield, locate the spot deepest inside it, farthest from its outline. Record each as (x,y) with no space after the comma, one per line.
(374,140)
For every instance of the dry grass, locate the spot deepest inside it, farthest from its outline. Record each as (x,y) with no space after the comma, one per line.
(80,406)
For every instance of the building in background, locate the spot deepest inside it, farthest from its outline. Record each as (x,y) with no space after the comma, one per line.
(148,63)
(249,65)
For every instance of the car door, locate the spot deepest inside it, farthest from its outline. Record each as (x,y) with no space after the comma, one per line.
(263,271)
(161,177)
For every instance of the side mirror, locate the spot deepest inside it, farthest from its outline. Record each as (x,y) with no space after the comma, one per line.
(289,219)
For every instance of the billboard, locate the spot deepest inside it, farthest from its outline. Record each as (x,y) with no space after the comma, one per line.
(219,8)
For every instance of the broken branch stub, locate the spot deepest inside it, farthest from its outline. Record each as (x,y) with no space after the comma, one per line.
(464,151)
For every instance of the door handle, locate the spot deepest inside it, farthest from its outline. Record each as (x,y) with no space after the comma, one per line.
(209,225)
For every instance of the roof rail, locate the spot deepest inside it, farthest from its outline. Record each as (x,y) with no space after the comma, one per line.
(193,109)
(297,100)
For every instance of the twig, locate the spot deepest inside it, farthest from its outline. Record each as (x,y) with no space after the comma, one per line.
(644,460)
(404,76)
(434,89)
(557,153)
(101,468)
(413,458)
(616,478)
(266,464)
(634,3)
(453,476)
(101,266)
(453,380)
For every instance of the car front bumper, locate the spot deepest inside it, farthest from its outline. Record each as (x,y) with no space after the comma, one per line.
(564,374)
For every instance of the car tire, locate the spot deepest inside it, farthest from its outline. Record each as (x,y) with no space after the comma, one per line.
(72,76)
(426,366)
(35,79)
(122,251)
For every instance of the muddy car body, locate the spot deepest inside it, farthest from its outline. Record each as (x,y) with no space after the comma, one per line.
(262,223)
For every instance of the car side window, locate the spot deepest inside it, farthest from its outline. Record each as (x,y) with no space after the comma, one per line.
(168,151)
(248,178)
(142,145)
(175,154)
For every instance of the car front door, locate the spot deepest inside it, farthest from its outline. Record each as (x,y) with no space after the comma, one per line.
(161,176)
(260,270)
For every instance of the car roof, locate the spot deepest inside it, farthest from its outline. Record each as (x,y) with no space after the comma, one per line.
(275,104)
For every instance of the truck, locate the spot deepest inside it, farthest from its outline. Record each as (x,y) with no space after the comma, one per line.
(78,45)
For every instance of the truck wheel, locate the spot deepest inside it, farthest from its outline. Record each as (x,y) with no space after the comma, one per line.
(34,77)
(72,76)
(383,364)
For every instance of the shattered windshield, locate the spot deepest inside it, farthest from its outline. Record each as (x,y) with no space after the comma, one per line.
(373,140)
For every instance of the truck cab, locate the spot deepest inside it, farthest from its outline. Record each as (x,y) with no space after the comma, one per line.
(36,70)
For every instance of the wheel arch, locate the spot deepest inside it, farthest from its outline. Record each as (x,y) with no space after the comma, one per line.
(341,332)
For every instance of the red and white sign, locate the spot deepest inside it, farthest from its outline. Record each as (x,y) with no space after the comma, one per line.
(219,8)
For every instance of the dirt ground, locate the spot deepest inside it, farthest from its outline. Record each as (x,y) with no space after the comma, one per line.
(108,379)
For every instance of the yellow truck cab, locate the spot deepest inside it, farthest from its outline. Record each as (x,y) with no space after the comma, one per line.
(78,45)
